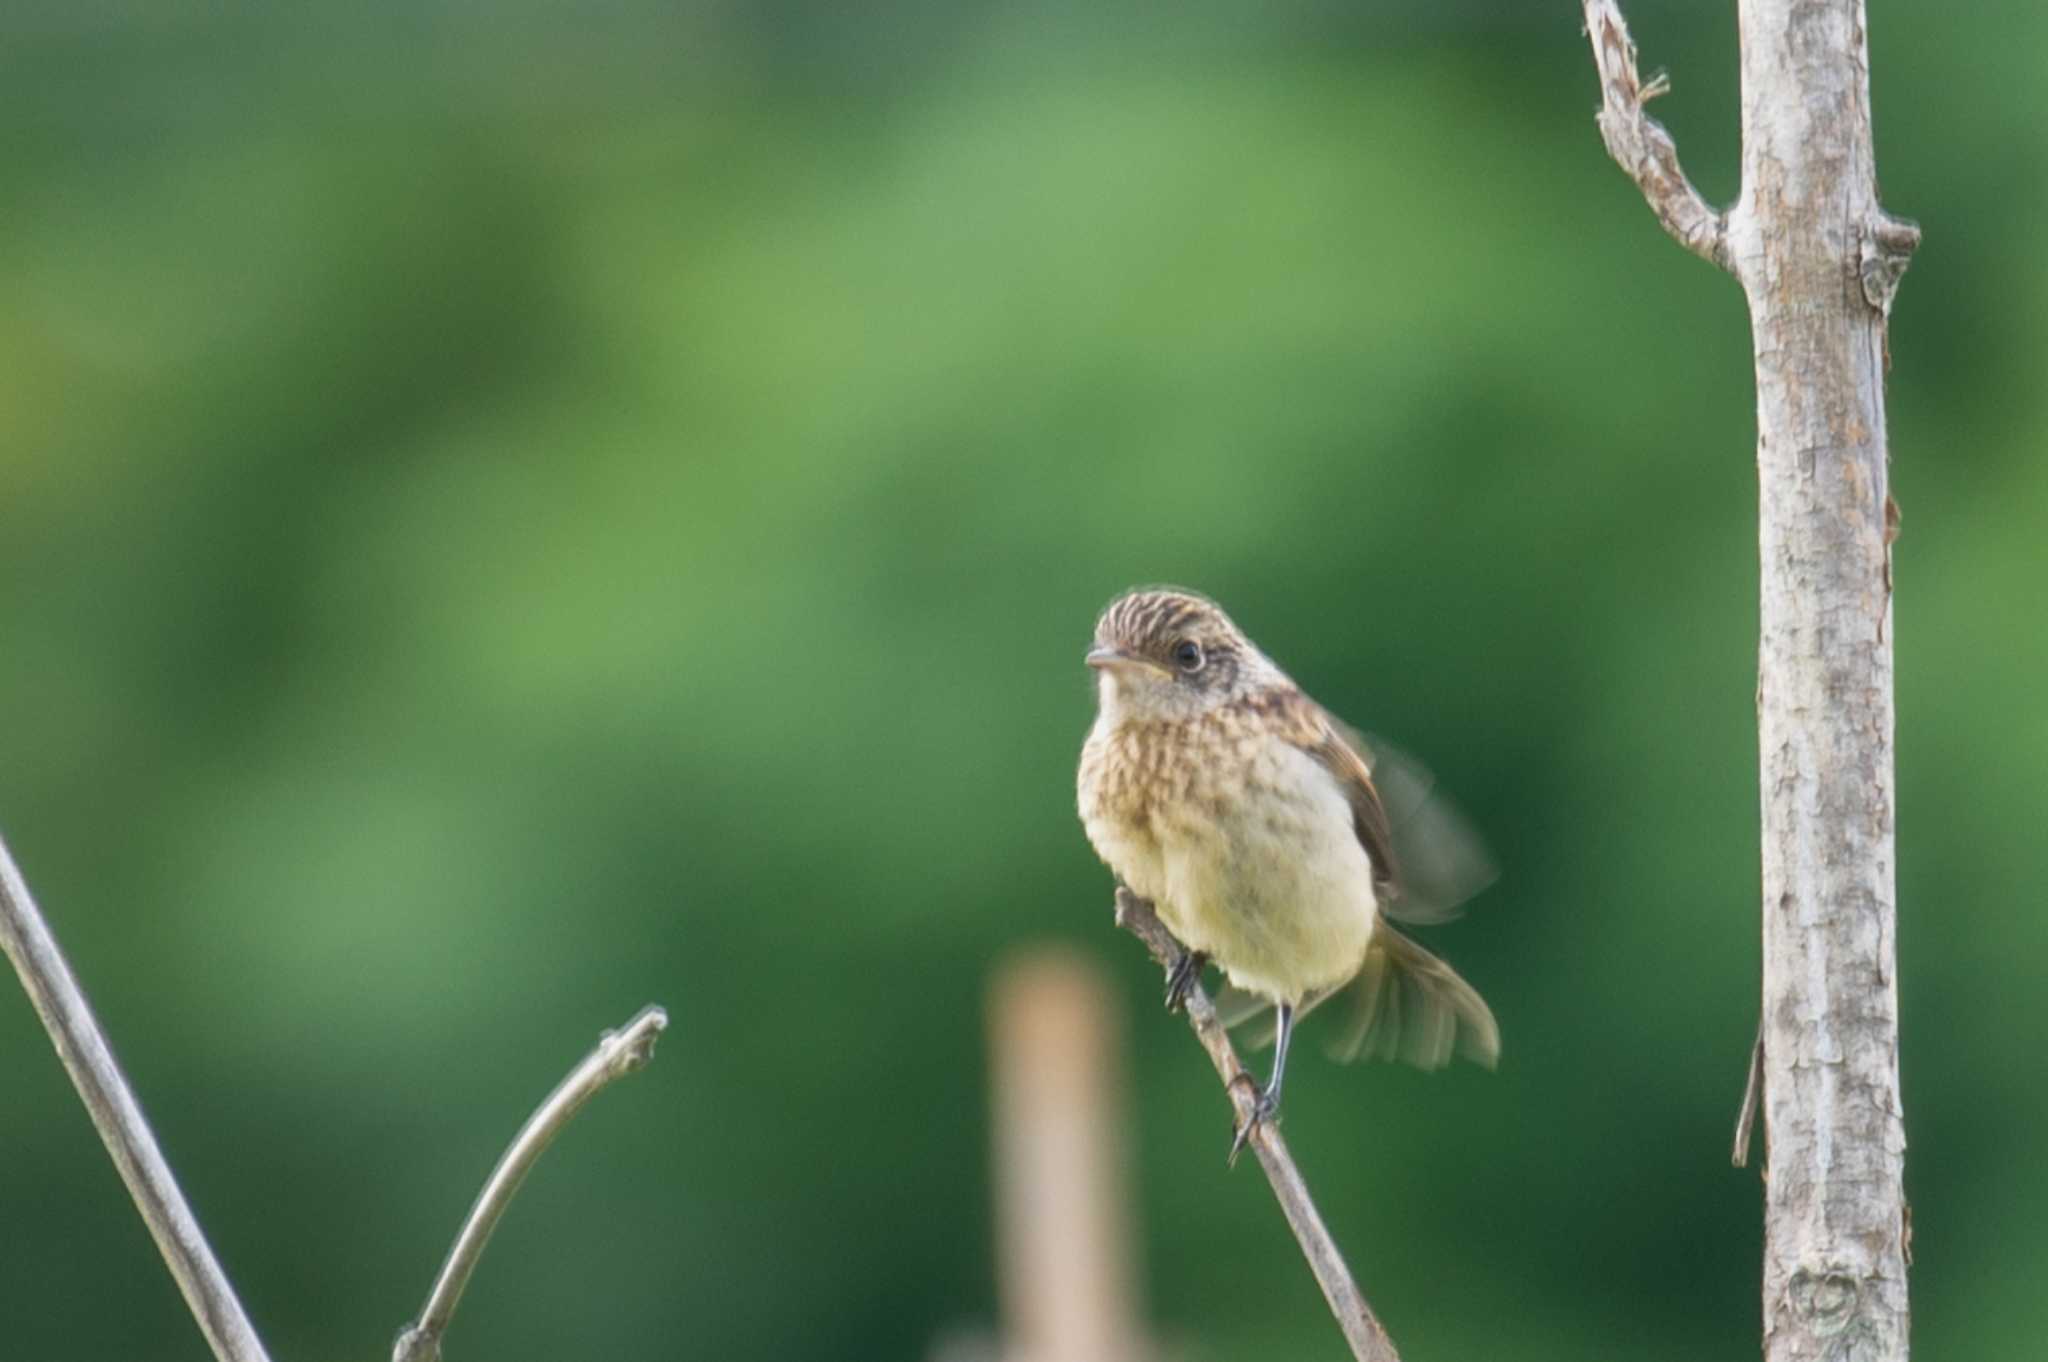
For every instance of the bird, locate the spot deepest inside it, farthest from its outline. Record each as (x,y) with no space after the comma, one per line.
(1248,815)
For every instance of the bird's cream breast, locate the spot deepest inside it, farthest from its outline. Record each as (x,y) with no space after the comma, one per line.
(1118,789)
(1241,840)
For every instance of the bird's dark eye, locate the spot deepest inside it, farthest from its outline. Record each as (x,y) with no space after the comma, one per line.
(1187,655)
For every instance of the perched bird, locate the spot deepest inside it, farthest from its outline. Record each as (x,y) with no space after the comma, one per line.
(1212,786)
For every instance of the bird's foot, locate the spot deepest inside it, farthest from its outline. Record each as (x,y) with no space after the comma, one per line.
(1184,974)
(1265,1111)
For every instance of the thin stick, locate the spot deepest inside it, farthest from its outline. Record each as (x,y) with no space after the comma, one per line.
(618,1053)
(87,1057)
(1362,1329)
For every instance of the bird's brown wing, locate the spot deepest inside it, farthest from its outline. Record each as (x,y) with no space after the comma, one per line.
(1426,858)
(1405,1003)
(1315,731)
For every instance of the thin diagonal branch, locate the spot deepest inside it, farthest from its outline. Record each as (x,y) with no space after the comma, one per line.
(1640,145)
(87,1057)
(1362,1329)
(618,1053)
(1752,1093)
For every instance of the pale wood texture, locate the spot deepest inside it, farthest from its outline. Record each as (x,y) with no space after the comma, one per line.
(1362,1329)
(1819,260)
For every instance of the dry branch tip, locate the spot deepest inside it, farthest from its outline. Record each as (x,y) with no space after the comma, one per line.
(618,1053)
(1641,146)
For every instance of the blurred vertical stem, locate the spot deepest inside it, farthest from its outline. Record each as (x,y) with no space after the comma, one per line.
(1065,1252)
(1819,260)
(115,1114)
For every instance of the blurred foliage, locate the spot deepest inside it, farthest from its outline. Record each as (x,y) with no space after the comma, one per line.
(507,514)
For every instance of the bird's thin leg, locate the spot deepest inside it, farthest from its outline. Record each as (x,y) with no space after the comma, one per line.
(1284,1032)
(1184,975)
(1266,1107)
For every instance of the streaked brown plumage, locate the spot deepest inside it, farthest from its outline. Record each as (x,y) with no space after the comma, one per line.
(1214,787)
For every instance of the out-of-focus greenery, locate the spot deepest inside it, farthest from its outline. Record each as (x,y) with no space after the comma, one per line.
(511,512)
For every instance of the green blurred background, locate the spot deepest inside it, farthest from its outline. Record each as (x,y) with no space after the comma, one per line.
(510,512)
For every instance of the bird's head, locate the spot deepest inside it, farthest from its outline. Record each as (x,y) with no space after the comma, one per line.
(1162,653)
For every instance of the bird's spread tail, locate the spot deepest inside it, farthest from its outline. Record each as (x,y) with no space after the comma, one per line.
(1403,1004)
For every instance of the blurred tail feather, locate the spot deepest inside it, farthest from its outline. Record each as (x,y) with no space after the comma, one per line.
(1403,1004)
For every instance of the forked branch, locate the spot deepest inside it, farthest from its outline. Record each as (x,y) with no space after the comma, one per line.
(1640,145)
(86,1056)
(618,1053)
(1362,1329)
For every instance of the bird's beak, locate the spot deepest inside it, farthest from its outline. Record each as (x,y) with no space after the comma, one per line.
(1102,656)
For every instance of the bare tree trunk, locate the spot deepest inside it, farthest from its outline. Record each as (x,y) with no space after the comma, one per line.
(1819,260)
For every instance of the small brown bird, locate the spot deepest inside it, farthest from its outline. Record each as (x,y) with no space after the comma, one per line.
(1248,816)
